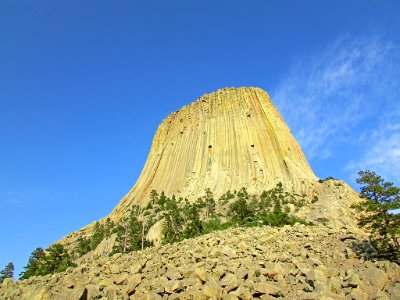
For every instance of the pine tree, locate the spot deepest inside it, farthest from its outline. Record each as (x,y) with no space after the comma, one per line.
(240,210)
(97,236)
(135,229)
(56,260)
(161,202)
(108,227)
(7,272)
(130,232)
(173,220)
(120,231)
(381,197)
(83,246)
(34,265)
(153,199)
(209,205)
(193,225)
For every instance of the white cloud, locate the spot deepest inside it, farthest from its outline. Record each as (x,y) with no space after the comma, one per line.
(383,152)
(347,99)
(327,98)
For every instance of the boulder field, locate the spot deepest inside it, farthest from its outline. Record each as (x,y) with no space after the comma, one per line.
(291,262)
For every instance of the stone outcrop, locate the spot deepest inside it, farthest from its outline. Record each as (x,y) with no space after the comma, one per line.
(299,262)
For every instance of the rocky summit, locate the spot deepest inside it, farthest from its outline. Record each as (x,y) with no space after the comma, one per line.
(292,262)
(222,142)
(226,140)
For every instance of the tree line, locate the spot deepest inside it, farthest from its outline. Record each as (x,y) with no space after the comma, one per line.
(181,220)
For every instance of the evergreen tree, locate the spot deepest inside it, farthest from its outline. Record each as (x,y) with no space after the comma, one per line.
(173,221)
(33,267)
(57,259)
(161,202)
(153,199)
(381,197)
(108,227)
(97,236)
(135,230)
(240,210)
(83,246)
(183,219)
(193,225)
(120,231)
(266,201)
(210,204)
(7,272)
(131,232)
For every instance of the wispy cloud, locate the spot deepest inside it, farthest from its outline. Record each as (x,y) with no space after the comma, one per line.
(343,95)
(383,152)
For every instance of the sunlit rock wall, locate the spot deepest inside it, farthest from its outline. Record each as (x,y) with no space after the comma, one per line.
(225,140)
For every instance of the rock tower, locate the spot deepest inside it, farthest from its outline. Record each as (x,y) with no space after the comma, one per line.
(225,140)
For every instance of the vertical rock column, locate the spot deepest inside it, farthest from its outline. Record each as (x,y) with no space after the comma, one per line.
(225,140)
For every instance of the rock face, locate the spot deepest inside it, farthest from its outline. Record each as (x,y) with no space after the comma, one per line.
(226,140)
(299,262)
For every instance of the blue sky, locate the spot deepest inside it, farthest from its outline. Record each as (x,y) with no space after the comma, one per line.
(84,85)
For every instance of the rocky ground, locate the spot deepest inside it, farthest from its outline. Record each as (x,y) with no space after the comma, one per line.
(299,262)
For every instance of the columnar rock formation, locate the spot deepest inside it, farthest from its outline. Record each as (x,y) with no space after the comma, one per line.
(226,140)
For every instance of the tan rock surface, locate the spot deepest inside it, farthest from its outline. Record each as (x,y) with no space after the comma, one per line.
(226,140)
